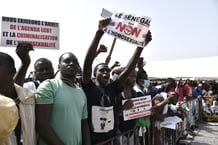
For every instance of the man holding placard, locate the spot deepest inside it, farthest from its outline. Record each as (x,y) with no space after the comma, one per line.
(101,92)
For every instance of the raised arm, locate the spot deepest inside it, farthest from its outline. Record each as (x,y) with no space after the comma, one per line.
(132,62)
(22,51)
(91,53)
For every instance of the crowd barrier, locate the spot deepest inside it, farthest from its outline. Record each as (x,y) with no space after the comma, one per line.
(210,111)
(192,112)
(168,136)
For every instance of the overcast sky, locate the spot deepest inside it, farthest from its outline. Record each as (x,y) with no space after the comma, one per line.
(181,29)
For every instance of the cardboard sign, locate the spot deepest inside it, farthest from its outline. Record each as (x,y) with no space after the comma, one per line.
(141,108)
(129,28)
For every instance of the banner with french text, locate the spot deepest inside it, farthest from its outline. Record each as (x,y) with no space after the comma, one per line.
(141,107)
(41,34)
(129,27)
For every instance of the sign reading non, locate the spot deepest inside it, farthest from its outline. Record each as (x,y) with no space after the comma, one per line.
(128,27)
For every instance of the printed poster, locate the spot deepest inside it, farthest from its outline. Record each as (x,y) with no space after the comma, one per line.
(41,34)
(141,108)
(129,27)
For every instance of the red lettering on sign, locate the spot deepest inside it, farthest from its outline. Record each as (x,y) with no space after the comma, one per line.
(127,29)
(13,27)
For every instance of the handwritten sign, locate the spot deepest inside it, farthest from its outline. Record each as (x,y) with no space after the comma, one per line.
(41,34)
(129,27)
(141,107)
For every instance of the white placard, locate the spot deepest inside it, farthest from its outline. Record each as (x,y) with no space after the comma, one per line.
(41,34)
(128,27)
(141,107)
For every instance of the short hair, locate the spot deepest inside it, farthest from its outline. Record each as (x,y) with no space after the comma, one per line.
(96,67)
(169,83)
(141,74)
(60,58)
(43,60)
(8,61)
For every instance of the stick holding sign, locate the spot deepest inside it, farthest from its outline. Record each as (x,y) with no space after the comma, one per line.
(111,51)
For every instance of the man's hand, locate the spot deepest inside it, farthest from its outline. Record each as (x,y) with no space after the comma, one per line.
(103,23)
(102,48)
(128,105)
(22,51)
(148,37)
(116,64)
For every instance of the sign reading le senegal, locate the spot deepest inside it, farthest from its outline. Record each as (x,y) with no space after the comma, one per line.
(41,34)
(129,27)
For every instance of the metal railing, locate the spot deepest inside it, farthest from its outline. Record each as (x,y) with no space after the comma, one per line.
(168,136)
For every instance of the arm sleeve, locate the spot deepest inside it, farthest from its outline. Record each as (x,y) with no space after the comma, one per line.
(85,112)
(45,93)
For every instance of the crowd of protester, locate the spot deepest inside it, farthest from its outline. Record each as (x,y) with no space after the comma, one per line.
(81,106)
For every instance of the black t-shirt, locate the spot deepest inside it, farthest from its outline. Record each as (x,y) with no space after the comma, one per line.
(94,98)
